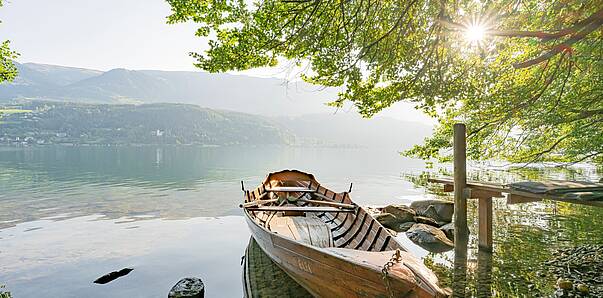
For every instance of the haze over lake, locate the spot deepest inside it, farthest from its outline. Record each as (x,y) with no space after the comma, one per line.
(71,214)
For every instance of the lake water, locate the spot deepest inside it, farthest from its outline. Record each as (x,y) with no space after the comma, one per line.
(69,215)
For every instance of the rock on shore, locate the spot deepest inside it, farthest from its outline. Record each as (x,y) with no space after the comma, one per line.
(430,238)
(401,212)
(388,220)
(448,230)
(435,213)
(442,210)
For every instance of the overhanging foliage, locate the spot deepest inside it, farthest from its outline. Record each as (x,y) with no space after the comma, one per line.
(530,91)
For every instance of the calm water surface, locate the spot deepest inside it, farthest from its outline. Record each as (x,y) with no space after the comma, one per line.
(71,214)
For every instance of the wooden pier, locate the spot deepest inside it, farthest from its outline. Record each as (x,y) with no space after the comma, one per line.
(485,192)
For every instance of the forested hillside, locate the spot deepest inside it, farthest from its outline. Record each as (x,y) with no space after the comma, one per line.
(41,122)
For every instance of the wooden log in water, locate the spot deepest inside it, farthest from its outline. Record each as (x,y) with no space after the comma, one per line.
(112,276)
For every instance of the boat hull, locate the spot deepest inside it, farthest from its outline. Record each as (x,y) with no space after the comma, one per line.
(323,273)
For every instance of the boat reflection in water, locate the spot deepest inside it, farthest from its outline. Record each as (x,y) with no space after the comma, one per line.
(263,278)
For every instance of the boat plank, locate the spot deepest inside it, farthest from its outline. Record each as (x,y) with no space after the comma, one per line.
(351,236)
(363,236)
(346,226)
(290,189)
(369,246)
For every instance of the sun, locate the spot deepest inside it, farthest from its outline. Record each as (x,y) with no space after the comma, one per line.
(475,32)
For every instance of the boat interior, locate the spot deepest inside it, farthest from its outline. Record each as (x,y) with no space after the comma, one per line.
(294,205)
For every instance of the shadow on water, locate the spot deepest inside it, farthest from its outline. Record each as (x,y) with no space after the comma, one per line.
(263,278)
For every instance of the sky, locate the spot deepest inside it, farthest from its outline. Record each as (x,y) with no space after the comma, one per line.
(101,35)
(108,34)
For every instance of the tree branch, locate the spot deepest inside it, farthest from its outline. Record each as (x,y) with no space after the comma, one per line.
(546,36)
(564,46)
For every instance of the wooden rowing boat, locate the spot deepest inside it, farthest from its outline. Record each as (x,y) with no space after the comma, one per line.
(328,244)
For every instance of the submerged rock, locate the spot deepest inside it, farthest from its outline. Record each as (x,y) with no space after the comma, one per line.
(429,238)
(582,288)
(401,212)
(189,287)
(373,210)
(443,209)
(391,232)
(578,270)
(112,276)
(564,284)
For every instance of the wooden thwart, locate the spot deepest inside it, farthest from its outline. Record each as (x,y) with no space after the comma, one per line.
(290,189)
(298,209)
(321,196)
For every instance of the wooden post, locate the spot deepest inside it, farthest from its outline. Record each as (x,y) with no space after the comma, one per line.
(485,224)
(460,178)
(461,233)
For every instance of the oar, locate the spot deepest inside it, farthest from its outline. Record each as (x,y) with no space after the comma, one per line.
(257,203)
(327,203)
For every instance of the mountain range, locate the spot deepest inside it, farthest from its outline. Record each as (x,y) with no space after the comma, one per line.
(261,96)
(297,108)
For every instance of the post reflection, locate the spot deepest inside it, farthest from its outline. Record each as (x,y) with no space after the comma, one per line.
(459,281)
(480,278)
(484,273)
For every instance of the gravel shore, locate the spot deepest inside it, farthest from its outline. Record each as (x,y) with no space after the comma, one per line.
(579,271)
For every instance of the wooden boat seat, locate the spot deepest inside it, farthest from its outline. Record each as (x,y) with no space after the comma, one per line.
(298,209)
(309,230)
(290,189)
